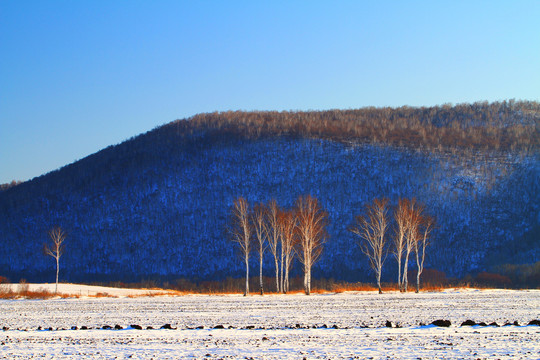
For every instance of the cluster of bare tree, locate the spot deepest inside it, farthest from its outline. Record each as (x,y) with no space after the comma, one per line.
(9,185)
(412,228)
(300,232)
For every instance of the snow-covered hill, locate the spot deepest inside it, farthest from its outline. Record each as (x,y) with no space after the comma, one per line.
(157,205)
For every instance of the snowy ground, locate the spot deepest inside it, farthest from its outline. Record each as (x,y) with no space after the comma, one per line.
(275,326)
(85,290)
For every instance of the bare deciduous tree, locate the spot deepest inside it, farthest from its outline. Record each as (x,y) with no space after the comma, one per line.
(56,249)
(312,220)
(240,231)
(420,247)
(371,228)
(400,232)
(287,221)
(258,220)
(414,217)
(273,234)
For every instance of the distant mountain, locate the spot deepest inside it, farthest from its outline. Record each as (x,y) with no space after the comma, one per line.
(157,205)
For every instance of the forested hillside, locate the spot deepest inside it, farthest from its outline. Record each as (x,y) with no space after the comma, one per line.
(158,204)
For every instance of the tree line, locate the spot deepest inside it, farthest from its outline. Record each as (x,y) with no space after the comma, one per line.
(506,125)
(300,232)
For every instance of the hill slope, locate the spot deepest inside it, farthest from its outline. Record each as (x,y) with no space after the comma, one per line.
(157,204)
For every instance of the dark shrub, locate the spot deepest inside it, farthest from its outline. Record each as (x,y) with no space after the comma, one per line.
(442,323)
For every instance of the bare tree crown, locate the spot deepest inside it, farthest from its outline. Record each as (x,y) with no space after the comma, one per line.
(312,220)
(371,228)
(56,249)
(240,229)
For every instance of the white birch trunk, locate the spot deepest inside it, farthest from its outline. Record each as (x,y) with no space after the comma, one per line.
(246,292)
(282,286)
(399,275)
(379,282)
(404,282)
(277,274)
(261,275)
(57,272)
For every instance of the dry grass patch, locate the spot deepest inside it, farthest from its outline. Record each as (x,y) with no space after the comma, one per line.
(22,292)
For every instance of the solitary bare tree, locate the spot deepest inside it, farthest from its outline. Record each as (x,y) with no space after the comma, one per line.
(400,232)
(258,220)
(240,231)
(56,249)
(420,246)
(312,220)
(287,221)
(371,228)
(273,234)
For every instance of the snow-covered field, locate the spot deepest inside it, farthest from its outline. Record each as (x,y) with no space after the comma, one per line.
(85,290)
(275,326)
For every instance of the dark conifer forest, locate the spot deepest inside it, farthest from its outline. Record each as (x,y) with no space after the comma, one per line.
(157,205)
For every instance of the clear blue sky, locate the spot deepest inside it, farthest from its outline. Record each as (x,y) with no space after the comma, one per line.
(77,76)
